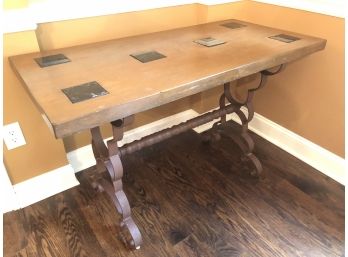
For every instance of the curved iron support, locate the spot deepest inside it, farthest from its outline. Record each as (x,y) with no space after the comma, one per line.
(108,158)
(245,142)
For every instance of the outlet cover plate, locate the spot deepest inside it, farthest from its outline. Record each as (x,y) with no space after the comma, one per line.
(13,136)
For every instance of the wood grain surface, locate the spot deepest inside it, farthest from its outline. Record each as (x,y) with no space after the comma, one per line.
(192,200)
(188,68)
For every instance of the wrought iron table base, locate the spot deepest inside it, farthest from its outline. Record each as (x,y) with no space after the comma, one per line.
(108,156)
(244,141)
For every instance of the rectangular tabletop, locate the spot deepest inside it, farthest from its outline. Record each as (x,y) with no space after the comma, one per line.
(133,86)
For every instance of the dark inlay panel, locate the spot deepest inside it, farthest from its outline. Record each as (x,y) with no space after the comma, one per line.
(84,91)
(209,41)
(233,25)
(52,60)
(148,56)
(285,38)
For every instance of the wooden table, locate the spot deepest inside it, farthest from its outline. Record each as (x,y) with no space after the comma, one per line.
(112,85)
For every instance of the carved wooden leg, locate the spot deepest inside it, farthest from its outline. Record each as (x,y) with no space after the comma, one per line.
(108,158)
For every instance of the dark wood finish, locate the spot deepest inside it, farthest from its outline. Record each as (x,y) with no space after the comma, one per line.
(192,199)
(134,87)
(108,156)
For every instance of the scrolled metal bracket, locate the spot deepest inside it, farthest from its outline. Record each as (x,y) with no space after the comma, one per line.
(245,142)
(108,158)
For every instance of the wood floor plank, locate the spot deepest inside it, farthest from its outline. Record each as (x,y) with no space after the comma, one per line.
(192,247)
(307,224)
(209,206)
(153,207)
(324,193)
(175,197)
(17,240)
(303,176)
(101,217)
(42,232)
(192,199)
(206,200)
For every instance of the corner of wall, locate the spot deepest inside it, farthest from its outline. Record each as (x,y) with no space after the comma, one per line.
(42,151)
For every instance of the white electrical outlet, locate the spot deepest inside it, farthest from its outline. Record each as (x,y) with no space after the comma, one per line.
(13,136)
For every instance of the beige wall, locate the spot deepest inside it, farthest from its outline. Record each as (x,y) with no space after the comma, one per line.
(42,152)
(307,98)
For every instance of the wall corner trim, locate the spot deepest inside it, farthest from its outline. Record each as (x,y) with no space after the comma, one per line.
(314,155)
(45,185)
(8,198)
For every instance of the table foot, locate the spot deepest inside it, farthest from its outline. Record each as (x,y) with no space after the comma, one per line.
(210,136)
(108,159)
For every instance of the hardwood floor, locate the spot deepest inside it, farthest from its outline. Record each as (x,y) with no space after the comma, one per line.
(192,199)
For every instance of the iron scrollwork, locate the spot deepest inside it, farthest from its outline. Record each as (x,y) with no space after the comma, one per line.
(245,142)
(108,158)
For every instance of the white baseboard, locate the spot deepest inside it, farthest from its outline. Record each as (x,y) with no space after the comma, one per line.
(307,151)
(8,197)
(83,158)
(43,186)
(58,180)
(314,155)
